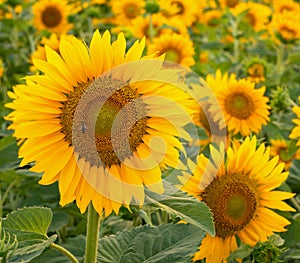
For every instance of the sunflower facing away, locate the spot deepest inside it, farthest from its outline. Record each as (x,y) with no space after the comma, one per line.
(244,107)
(101,136)
(295,134)
(240,193)
(51,15)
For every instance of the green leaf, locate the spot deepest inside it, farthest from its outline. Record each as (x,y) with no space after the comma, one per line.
(30,226)
(292,236)
(30,249)
(165,243)
(34,220)
(241,252)
(186,207)
(60,219)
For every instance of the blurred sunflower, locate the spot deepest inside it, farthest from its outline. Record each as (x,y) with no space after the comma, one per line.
(101,136)
(52,41)
(296,130)
(285,150)
(287,5)
(183,10)
(257,15)
(245,108)
(178,48)
(229,3)
(211,17)
(126,10)
(51,15)
(284,26)
(256,70)
(240,193)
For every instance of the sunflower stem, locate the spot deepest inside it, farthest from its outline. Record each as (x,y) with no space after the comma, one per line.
(67,253)
(93,227)
(279,62)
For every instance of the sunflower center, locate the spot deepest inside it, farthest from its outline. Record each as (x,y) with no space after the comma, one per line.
(256,70)
(131,11)
(233,199)
(287,33)
(104,120)
(180,7)
(172,55)
(239,105)
(232,3)
(51,17)
(250,18)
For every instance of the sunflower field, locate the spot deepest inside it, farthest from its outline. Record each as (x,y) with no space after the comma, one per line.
(155,131)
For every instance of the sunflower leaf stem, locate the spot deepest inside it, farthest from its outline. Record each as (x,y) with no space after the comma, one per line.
(64,251)
(93,227)
(279,62)
(151,32)
(236,42)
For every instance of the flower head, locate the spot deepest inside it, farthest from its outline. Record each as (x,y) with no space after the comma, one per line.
(240,193)
(51,15)
(100,121)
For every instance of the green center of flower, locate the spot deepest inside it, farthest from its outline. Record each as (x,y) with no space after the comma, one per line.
(104,120)
(233,199)
(51,17)
(172,55)
(239,105)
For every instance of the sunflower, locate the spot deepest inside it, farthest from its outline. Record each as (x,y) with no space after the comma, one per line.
(211,17)
(240,193)
(287,5)
(178,48)
(296,130)
(256,70)
(257,15)
(102,134)
(244,107)
(183,10)
(51,15)
(52,41)
(284,26)
(285,150)
(126,10)
(229,3)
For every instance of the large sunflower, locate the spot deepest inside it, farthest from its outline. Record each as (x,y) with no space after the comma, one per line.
(51,15)
(240,192)
(244,107)
(178,48)
(102,134)
(296,130)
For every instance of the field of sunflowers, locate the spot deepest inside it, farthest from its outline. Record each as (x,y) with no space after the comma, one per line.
(155,131)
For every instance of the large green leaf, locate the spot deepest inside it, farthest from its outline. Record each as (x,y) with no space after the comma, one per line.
(30,226)
(34,220)
(185,207)
(172,243)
